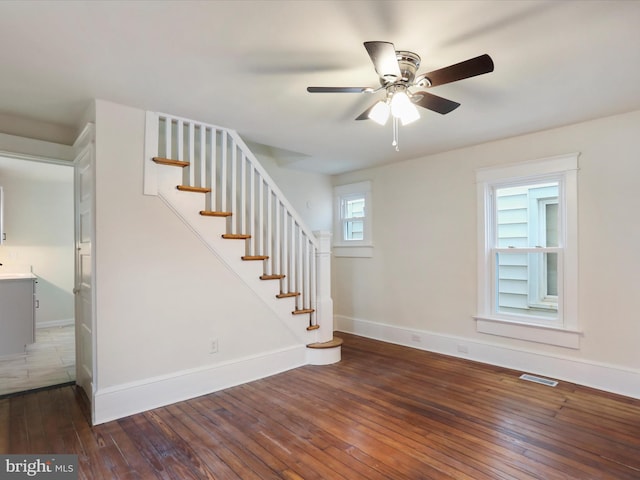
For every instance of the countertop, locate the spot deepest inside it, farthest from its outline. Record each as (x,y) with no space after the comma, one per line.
(16,276)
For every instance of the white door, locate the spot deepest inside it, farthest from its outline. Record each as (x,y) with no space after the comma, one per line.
(84,292)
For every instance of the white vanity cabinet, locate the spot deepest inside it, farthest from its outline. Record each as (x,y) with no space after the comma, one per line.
(17,313)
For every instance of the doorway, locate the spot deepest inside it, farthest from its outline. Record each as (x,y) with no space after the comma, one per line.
(39,229)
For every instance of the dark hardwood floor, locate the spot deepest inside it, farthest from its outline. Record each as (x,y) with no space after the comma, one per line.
(384,412)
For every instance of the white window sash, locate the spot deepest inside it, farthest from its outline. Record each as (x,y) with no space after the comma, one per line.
(342,194)
(563,168)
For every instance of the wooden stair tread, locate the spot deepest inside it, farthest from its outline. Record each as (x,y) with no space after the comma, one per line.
(170,162)
(302,311)
(255,257)
(236,236)
(313,327)
(211,213)
(188,188)
(272,277)
(335,342)
(288,294)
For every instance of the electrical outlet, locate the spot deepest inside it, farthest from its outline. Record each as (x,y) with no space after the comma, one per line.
(214,345)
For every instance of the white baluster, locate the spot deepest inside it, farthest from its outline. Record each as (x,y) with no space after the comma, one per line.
(180,140)
(292,252)
(269,240)
(242,211)
(307,273)
(167,137)
(202,182)
(252,210)
(213,165)
(223,172)
(191,154)
(180,146)
(312,283)
(234,186)
(285,251)
(260,232)
(275,261)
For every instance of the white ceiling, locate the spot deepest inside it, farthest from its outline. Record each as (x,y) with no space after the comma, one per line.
(246,65)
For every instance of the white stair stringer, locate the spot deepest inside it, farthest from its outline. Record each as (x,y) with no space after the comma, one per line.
(187,206)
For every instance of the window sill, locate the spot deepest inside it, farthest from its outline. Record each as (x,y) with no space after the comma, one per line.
(356,251)
(524,331)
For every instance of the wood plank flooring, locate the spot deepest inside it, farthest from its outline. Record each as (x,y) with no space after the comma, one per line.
(383,412)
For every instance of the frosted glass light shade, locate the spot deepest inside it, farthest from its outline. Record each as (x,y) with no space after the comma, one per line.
(379,113)
(402,108)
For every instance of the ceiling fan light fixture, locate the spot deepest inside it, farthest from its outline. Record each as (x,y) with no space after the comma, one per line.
(402,108)
(380,113)
(397,73)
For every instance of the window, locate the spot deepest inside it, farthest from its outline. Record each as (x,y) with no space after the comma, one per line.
(526,248)
(352,224)
(352,213)
(527,251)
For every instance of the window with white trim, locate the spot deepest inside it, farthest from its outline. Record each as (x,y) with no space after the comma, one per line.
(352,220)
(527,250)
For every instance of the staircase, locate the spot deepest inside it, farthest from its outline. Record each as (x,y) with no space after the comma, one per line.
(213,182)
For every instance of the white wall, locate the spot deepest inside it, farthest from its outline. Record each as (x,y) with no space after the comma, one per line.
(310,194)
(161,295)
(422,277)
(40,232)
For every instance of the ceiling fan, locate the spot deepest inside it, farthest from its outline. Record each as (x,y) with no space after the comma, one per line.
(397,71)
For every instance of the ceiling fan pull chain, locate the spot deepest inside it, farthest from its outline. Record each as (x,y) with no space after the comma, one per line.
(395,134)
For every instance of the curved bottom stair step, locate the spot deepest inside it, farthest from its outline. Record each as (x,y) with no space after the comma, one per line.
(324,353)
(333,343)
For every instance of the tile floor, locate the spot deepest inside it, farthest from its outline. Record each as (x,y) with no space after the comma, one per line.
(49,361)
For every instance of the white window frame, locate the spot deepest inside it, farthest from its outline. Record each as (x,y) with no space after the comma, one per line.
(352,248)
(563,331)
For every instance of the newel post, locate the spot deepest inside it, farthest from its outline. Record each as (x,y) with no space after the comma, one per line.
(324,308)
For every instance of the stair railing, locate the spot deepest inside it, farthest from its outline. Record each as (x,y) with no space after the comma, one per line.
(219,160)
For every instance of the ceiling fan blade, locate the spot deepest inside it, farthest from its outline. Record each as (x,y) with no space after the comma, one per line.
(434,102)
(459,71)
(365,115)
(383,56)
(339,89)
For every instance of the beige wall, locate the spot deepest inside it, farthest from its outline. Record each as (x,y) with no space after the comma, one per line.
(423,273)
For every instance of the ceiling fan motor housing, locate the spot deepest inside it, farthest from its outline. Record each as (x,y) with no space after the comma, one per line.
(409,63)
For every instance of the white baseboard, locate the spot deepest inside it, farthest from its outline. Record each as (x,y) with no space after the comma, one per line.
(122,400)
(610,378)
